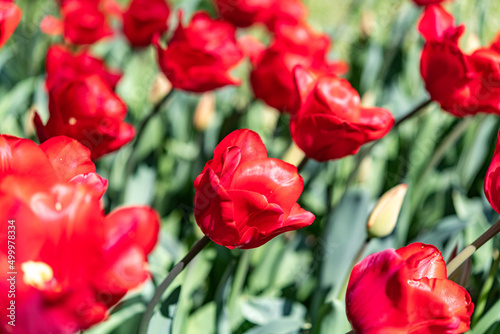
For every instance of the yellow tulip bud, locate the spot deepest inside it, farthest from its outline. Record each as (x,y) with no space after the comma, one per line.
(161,87)
(205,111)
(385,214)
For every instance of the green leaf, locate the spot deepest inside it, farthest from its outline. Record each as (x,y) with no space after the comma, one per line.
(281,326)
(333,319)
(489,318)
(342,238)
(162,321)
(261,310)
(119,319)
(141,186)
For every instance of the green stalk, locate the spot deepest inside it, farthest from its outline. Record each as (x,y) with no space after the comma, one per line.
(168,280)
(488,284)
(472,248)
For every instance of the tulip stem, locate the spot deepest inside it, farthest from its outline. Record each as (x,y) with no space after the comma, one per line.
(458,260)
(365,151)
(412,113)
(141,129)
(445,145)
(485,290)
(355,261)
(176,270)
(302,164)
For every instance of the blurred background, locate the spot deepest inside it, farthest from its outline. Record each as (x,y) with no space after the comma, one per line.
(294,284)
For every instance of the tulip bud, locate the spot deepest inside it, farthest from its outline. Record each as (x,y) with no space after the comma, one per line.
(368,23)
(472,43)
(161,87)
(385,214)
(293,155)
(205,111)
(29,127)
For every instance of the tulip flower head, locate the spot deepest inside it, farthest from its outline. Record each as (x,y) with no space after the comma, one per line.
(272,76)
(243,198)
(72,262)
(492,179)
(244,13)
(331,123)
(10,16)
(462,84)
(427,2)
(406,291)
(144,19)
(200,55)
(83,104)
(84,22)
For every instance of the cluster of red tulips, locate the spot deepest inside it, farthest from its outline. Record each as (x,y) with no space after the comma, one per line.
(74,261)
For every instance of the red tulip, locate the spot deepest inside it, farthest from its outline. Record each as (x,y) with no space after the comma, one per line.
(462,84)
(330,123)
(72,262)
(144,19)
(82,102)
(87,110)
(244,13)
(492,179)
(406,291)
(200,56)
(84,22)
(10,16)
(427,2)
(286,12)
(62,67)
(272,76)
(243,198)
(59,159)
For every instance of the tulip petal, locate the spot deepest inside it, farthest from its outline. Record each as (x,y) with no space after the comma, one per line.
(275,179)
(132,226)
(375,122)
(25,159)
(10,16)
(253,209)
(423,261)
(440,305)
(299,218)
(435,22)
(52,26)
(26,224)
(250,147)
(446,72)
(251,48)
(93,180)
(325,137)
(68,157)
(121,273)
(214,211)
(492,179)
(371,292)
(304,82)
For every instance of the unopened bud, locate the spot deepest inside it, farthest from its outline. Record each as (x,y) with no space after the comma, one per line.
(385,214)
(29,127)
(368,22)
(293,155)
(472,43)
(161,87)
(205,111)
